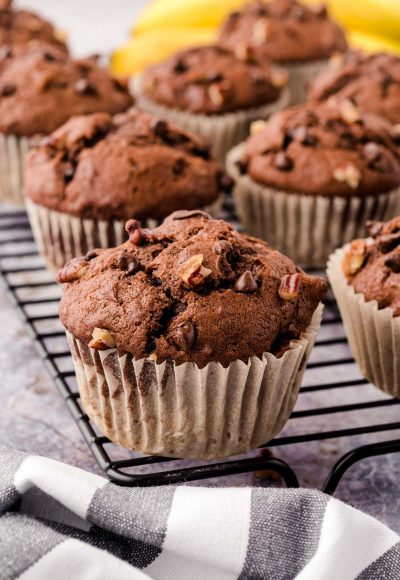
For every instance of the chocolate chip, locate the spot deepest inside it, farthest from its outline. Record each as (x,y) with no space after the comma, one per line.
(49,56)
(214,77)
(178,166)
(69,173)
(185,336)
(185,214)
(91,255)
(225,183)
(84,87)
(180,66)
(132,227)
(301,135)
(242,166)
(259,80)
(160,128)
(371,151)
(202,151)
(374,228)
(127,262)
(283,162)
(388,242)
(8,90)
(5,52)
(246,283)
(393,263)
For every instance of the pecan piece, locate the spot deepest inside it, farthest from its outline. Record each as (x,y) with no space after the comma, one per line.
(348,111)
(260,31)
(193,272)
(73,270)
(102,339)
(257,126)
(348,174)
(354,258)
(290,286)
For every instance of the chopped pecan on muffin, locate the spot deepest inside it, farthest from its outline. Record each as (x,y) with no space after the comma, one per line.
(111,168)
(41,87)
(283,31)
(20,27)
(191,290)
(213,81)
(371,82)
(372,267)
(323,150)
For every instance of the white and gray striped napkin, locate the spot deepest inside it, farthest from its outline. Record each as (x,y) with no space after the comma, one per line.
(59,522)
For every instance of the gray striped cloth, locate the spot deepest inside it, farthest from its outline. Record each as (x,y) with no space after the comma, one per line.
(59,522)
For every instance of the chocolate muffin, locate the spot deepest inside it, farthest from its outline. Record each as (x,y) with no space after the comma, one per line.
(308,179)
(191,325)
(371,82)
(302,38)
(40,88)
(96,171)
(20,27)
(212,92)
(365,276)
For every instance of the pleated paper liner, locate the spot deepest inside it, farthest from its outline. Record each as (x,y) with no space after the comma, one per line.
(223,131)
(13,150)
(185,411)
(307,228)
(300,75)
(60,236)
(373,334)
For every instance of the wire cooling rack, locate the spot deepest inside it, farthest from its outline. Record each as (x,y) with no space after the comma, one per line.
(36,295)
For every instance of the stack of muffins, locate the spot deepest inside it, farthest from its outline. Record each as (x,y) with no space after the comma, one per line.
(190,339)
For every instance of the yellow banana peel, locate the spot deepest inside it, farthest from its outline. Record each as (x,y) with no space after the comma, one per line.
(153,47)
(373,43)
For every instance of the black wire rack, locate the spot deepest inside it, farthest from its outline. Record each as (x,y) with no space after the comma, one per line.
(36,295)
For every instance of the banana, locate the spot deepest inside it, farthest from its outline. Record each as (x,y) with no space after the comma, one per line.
(161,14)
(372,43)
(153,47)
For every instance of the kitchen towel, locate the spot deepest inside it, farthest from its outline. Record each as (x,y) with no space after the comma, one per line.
(59,522)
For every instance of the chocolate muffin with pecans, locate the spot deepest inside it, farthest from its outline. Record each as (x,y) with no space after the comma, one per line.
(302,38)
(18,27)
(365,277)
(307,180)
(187,328)
(371,82)
(93,173)
(40,88)
(212,92)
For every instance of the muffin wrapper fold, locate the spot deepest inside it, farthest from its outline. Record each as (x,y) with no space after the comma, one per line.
(307,228)
(373,334)
(223,131)
(60,236)
(300,75)
(13,150)
(184,411)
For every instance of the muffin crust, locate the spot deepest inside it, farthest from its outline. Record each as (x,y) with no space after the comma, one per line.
(322,149)
(284,31)
(191,290)
(41,87)
(106,167)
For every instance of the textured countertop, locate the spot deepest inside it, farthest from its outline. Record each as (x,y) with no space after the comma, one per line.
(34,418)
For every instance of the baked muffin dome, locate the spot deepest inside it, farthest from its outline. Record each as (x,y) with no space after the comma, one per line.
(41,87)
(211,80)
(191,290)
(105,167)
(20,27)
(324,150)
(371,81)
(283,31)
(373,267)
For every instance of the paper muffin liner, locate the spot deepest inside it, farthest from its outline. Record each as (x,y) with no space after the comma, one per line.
(13,150)
(373,334)
(223,131)
(307,228)
(300,75)
(60,236)
(184,411)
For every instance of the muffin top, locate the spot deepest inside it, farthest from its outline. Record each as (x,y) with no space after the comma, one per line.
(283,31)
(372,82)
(132,164)
(20,26)
(321,149)
(41,87)
(212,80)
(191,290)
(372,266)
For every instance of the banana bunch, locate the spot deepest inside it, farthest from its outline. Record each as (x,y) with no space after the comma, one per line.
(169,25)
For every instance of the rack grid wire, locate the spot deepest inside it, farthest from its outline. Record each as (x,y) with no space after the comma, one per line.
(35,293)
